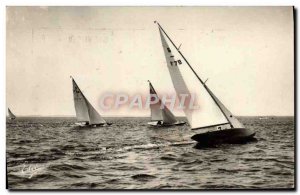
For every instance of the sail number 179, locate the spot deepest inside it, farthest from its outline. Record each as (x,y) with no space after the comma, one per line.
(175,63)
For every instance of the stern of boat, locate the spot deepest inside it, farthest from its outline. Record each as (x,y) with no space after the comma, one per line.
(231,136)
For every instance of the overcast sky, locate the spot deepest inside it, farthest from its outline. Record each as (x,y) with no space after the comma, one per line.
(246,52)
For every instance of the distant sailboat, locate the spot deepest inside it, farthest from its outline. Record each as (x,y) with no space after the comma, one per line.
(86,114)
(11,116)
(263,118)
(161,116)
(212,122)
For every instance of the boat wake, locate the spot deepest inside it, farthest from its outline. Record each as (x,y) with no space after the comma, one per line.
(150,146)
(155,146)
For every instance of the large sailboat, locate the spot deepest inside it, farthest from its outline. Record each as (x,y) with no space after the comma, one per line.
(161,117)
(213,123)
(86,114)
(11,116)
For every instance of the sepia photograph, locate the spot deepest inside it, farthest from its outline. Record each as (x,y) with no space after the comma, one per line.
(150,98)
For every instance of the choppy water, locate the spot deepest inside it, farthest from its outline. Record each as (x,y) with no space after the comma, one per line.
(50,153)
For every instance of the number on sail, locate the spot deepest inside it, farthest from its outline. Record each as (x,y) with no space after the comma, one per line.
(175,62)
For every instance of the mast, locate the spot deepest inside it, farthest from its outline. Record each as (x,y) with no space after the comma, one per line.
(203,83)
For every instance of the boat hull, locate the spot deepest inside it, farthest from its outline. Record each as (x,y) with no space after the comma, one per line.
(156,124)
(93,126)
(231,136)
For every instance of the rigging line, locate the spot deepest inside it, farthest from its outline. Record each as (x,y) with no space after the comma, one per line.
(195,73)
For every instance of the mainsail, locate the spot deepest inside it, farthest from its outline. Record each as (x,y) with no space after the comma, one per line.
(160,114)
(85,112)
(10,114)
(211,112)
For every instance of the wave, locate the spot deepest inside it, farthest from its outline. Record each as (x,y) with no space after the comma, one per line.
(127,168)
(56,151)
(82,185)
(29,177)
(155,146)
(66,167)
(143,177)
(72,175)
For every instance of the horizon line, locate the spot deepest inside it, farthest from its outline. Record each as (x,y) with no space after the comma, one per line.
(74,116)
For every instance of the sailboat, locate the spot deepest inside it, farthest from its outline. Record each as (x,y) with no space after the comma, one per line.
(213,123)
(86,114)
(161,117)
(11,116)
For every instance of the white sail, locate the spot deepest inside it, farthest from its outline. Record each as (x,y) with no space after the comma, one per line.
(156,113)
(81,108)
(168,116)
(185,81)
(233,120)
(85,112)
(10,114)
(160,114)
(95,117)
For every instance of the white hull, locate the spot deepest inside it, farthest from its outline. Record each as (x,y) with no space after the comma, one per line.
(157,124)
(83,125)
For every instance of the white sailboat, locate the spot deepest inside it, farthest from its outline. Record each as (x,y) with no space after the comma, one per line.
(86,114)
(161,117)
(11,116)
(213,123)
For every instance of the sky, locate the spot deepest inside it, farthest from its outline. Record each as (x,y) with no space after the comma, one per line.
(246,52)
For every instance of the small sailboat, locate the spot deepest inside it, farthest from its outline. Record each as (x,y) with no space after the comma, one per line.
(161,117)
(213,123)
(263,118)
(11,116)
(86,114)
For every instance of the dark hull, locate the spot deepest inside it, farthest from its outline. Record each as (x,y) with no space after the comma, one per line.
(231,136)
(180,123)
